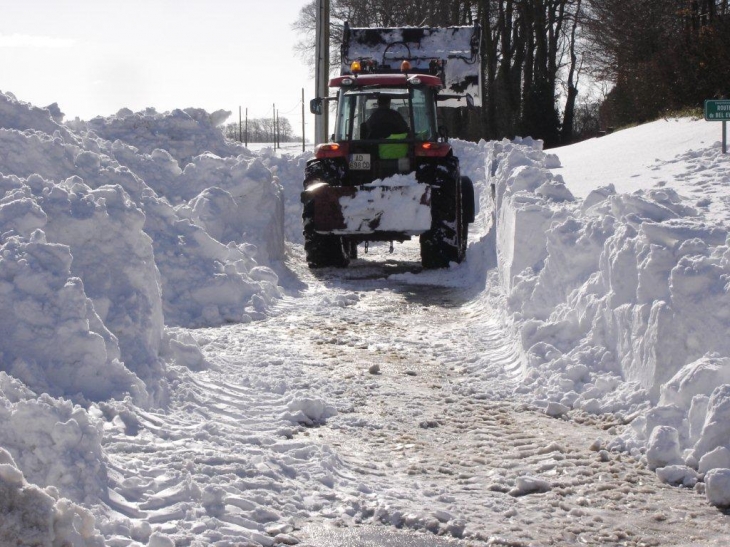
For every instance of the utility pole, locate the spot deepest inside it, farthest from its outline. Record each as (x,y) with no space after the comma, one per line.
(240,130)
(322,69)
(273,125)
(303,139)
(246,141)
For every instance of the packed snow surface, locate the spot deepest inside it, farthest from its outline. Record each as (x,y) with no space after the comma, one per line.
(171,373)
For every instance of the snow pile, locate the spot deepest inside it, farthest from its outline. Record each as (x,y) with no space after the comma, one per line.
(58,447)
(113,232)
(309,411)
(53,339)
(96,261)
(54,442)
(34,516)
(218,184)
(183,134)
(288,170)
(717,487)
(621,304)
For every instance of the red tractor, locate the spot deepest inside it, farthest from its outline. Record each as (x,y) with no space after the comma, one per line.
(389,172)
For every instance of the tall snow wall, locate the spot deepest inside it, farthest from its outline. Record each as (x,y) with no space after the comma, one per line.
(114,229)
(621,303)
(612,295)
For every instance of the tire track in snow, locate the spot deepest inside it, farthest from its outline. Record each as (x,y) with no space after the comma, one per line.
(434,441)
(437,449)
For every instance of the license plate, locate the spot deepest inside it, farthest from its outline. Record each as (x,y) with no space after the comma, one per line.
(360,162)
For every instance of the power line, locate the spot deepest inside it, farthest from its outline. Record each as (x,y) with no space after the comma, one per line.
(295,107)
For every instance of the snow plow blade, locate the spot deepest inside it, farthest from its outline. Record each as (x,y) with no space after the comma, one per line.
(449,52)
(354,210)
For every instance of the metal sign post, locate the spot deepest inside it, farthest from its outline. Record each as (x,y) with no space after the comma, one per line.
(718,110)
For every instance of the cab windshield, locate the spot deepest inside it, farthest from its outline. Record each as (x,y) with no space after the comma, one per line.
(356,106)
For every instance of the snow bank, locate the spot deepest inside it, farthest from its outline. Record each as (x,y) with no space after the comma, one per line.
(54,442)
(218,184)
(638,157)
(288,170)
(112,229)
(620,301)
(53,339)
(34,516)
(112,233)
(183,134)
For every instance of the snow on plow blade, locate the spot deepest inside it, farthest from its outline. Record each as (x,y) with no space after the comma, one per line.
(352,210)
(456,48)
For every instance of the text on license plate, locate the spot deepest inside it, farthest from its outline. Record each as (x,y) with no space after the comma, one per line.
(360,162)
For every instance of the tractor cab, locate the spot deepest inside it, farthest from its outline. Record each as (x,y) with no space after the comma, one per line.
(378,147)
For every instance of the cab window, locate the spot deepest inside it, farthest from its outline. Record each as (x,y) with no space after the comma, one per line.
(356,106)
(424,114)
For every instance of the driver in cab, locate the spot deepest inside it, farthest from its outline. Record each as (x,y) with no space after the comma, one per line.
(384,121)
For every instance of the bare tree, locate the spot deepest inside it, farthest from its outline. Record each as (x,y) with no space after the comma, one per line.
(262,130)
(571,84)
(660,56)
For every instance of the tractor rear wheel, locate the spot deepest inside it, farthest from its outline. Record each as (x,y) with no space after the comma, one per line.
(445,242)
(322,251)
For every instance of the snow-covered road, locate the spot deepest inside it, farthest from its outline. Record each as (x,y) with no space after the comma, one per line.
(408,420)
(172,374)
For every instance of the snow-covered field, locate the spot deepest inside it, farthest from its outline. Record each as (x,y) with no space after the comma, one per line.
(172,374)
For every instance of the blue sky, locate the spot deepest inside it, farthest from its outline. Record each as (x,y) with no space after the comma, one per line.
(94,57)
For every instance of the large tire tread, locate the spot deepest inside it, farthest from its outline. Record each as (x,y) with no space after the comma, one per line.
(445,242)
(322,251)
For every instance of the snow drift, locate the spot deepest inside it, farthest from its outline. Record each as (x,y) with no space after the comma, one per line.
(621,305)
(112,231)
(90,244)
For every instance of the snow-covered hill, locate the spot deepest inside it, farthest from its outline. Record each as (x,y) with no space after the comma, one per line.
(120,235)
